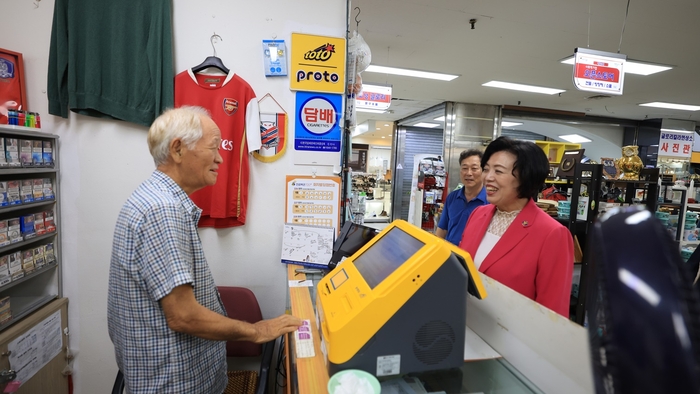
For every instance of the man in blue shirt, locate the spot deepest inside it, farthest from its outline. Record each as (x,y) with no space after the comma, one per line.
(164,313)
(461,202)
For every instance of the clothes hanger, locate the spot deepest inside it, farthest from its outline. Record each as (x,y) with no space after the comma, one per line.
(211,61)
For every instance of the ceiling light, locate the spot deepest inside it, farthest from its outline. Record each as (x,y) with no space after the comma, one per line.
(383,137)
(379,128)
(426,125)
(574,138)
(386,124)
(523,88)
(371,111)
(442,118)
(633,66)
(410,73)
(510,124)
(682,107)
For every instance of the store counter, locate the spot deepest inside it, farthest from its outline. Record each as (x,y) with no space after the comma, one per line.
(541,351)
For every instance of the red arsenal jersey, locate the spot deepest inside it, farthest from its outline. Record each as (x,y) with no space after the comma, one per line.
(232,104)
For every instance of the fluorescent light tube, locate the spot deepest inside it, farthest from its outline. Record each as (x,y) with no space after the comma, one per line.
(682,107)
(522,88)
(426,125)
(510,124)
(574,138)
(371,111)
(410,73)
(633,66)
(678,131)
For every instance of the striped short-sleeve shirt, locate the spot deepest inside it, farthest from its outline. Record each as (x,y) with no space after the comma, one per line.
(156,248)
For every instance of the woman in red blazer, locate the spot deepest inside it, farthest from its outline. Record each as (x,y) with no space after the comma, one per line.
(512,240)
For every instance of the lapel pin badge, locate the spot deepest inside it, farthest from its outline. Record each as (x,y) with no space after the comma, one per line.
(525,223)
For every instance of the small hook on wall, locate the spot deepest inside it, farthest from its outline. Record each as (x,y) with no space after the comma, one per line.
(212,40)
(357,21)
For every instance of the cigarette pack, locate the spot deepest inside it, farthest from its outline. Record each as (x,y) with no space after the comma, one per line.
(13,230)
(37,153)
(49,254)
(4,238)
(17,275)
(3,160)
(49,223)
(3,192)
(4,267)
(5,310)
(39,259)
(38,189)
(28,261)
(47,158)
(39,227)
(12,152)
(13,197)
(25,153)
(26,225)
(48,189)
(26,191)
(14,263)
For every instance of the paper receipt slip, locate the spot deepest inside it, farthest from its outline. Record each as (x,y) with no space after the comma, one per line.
(303,341)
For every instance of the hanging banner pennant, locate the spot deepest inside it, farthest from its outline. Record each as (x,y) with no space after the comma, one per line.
(273,134)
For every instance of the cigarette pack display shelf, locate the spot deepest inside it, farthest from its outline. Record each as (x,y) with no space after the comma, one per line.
(580,228)
(40,285)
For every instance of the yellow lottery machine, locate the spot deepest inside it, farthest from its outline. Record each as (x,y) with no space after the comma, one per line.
(398,305)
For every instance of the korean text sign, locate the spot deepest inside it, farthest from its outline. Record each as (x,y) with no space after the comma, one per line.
(317,123)
(676,144)
(317,63)
(599,72)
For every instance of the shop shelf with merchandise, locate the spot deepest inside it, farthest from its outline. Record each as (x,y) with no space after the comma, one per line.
(30,285)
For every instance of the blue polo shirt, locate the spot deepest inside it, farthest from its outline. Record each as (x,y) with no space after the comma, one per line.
(456,212)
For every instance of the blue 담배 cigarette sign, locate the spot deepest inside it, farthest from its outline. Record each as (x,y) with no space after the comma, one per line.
(317,122)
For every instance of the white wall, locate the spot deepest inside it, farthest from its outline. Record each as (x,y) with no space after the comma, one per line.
(102,161)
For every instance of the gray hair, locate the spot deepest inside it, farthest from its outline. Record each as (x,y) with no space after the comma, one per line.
(184,123)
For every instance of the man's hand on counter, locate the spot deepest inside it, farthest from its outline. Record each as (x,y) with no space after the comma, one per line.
(267,330)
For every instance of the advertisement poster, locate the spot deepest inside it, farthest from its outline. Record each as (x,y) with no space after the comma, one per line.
(29,352)
(317,122)
(313,201)
(317,63)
